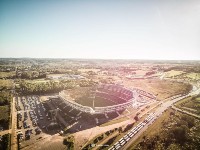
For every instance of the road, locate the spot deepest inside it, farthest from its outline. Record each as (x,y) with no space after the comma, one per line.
(13,126)
(158,112)
(186,112)
(5,132)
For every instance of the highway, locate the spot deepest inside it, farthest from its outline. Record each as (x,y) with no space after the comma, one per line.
(160,109)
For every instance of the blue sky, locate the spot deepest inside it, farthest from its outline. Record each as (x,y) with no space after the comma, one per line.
(164,29)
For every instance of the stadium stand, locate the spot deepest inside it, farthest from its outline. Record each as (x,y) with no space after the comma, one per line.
(121,96)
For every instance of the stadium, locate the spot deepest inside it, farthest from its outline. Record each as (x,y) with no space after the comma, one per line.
(108,98)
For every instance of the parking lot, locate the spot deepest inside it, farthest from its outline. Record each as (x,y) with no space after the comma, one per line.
(32,120)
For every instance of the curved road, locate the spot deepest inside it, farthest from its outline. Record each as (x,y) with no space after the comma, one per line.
(164,106)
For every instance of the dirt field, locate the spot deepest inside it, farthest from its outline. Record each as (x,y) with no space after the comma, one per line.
(87,135)
(161,88)
(48,142)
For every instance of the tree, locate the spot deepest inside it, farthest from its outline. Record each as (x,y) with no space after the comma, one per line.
(190,120)
(69,143)
(180,134)
(174,147)
(120,129)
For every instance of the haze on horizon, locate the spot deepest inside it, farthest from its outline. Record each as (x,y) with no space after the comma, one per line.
(168,30)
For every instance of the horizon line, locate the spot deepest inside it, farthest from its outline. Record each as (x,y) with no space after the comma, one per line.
(147,59)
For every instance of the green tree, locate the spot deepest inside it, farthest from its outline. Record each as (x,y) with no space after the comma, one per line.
(174,147)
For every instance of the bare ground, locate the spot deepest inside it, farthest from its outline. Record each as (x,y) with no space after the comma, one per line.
(82,137)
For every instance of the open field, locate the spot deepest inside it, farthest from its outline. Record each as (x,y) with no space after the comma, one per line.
(173,73)
(37,81)
(193,76)
(189,76)
(5,84)
(7,74)
(161,88)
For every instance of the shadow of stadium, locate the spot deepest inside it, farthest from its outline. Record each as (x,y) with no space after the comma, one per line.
(90,121)
(74,120)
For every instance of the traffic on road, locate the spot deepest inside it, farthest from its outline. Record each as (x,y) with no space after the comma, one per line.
(132,132)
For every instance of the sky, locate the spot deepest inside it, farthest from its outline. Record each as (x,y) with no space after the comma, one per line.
(103,29)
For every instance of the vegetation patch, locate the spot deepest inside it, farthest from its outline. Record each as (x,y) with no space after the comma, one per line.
(173,73)
(69,142)
(32,87)
(5,142)
(4,116)
(172,130)
(5,84)
(5,98)
(10,74)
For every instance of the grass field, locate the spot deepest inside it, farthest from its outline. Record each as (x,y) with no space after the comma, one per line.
(189,76)
(37,81)
(98,102)
(82,96)
(193,76)
(173,73)
(5,84)
(7,74)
